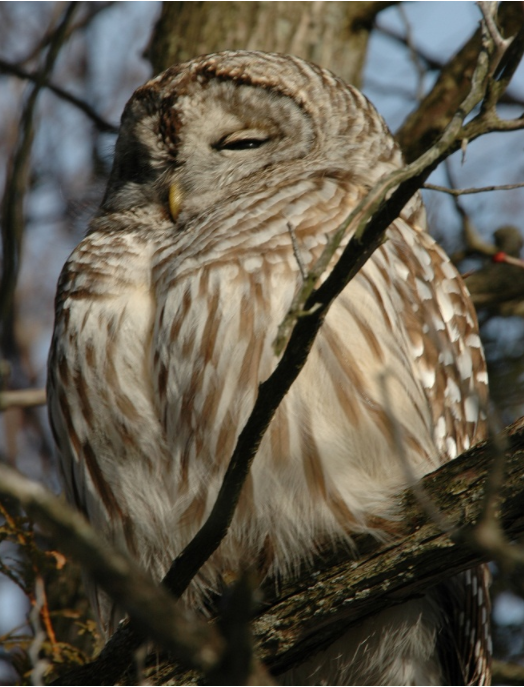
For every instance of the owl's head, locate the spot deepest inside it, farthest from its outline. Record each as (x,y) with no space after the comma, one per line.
(222,124)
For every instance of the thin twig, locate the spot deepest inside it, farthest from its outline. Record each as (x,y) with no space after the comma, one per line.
(101,124)
(296,252)
(94,10)
(22,398)
(465,191)
(509,259)
(39,636)
(413,52)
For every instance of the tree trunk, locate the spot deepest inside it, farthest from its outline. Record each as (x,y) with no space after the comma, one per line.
(332,34)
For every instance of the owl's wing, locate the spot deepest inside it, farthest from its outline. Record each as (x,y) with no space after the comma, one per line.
(100,396)
(464,641)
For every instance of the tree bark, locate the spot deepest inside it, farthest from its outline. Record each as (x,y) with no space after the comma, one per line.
(332,34)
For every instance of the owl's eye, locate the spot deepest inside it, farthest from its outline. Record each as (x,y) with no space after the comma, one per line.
(242,140)
(245,144)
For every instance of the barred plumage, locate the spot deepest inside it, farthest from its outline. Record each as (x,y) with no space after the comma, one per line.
(166,314)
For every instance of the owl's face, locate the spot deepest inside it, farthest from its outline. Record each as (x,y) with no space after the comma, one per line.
(223,123)
(233,132)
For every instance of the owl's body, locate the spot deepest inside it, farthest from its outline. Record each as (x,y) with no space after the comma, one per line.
(165,325)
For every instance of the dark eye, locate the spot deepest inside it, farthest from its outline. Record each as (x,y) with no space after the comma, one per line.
(237,141)
(246,144)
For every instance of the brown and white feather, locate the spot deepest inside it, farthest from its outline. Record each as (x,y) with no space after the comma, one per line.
(164,329)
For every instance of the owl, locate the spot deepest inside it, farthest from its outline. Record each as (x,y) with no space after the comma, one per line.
(231,172)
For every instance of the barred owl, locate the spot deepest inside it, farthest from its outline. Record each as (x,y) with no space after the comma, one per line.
(165,317)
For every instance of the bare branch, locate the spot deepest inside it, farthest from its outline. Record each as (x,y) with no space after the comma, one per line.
(413,53)
(424,126)
(101,124)
(479,189)
(12,202)
(507,673)
(94,10)
(22,398)
(490,122)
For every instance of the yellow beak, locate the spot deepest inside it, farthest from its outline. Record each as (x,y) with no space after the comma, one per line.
(175,200)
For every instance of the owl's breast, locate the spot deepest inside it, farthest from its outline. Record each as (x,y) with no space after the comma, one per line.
(327,462)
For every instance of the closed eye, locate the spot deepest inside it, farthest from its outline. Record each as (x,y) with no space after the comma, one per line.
(241,140)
